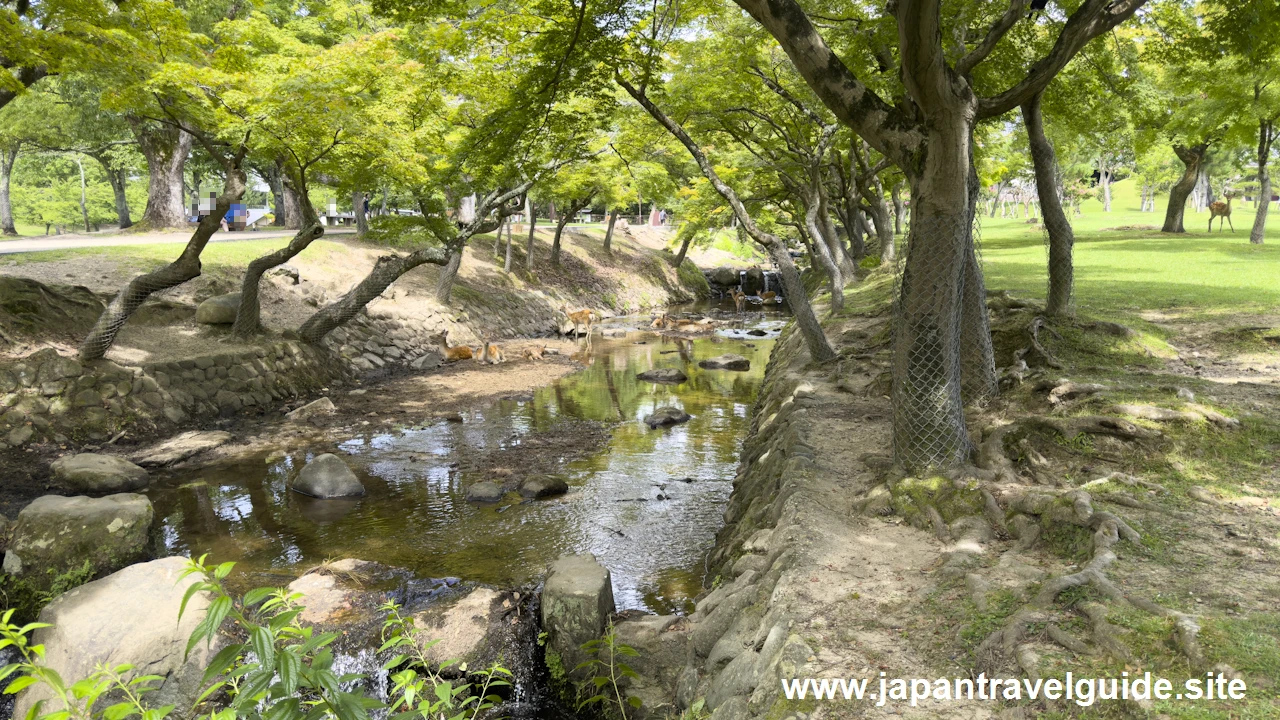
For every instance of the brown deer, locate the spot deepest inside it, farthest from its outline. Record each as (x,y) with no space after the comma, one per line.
(579,318)
(453,354)
(491,353)
(533,353)
(1222,210)
(739,299)
(768,296)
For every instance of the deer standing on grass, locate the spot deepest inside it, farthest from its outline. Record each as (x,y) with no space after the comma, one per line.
(1222,210)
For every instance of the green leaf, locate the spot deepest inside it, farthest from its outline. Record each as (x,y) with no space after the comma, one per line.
(289,666)
(220,662)
(264,646)
(223,570)
(635,702)
(19,685)
(257,595)
(119,711)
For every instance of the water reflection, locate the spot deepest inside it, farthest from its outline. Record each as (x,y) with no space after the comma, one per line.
(647,506)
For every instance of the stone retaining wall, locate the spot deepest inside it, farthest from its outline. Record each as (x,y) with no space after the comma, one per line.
(731,652)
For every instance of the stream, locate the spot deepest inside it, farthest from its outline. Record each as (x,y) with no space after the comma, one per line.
(647,504)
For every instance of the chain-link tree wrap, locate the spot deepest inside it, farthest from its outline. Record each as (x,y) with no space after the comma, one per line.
(979,382)
(928,417)
(1059,236)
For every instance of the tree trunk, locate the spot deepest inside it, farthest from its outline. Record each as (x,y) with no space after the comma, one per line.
(575,207)
(8,156)
(506,265)
(1106,187)
(387,270)
(249,314)
(292,205)
(444,289)
(897,207)
(84,207)
(531,212)
(929,425)
(608,233)
(684,250)
(823,248)
(1266,136)
(119,180)
(1193,157)
(165,149)
(1061,237)
(272,175)
(186,267)
(362,217)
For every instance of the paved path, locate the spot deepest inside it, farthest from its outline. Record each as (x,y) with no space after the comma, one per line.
(62,242)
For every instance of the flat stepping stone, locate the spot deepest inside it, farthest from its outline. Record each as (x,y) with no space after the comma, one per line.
(180,447)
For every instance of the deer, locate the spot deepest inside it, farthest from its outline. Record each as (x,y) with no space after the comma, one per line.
(579,318)
(533,353)
(453,354)
(659,321)
(739,299)
(1222,210)
(768,296)
(490,353)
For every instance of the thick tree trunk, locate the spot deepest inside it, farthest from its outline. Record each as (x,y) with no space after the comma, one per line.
(8,156)
(532,213)
(979,381)
(165,149)
(1266,136)
(1061,237)
(444,288)
(929,424)
(1193,157)
(292,206)
(186,267)
(362,217)
(608,233)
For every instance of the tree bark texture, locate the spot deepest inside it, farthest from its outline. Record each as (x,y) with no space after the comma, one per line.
(1266,137)
(358,208)
(8,156)
(608,233)
(531,212)
(575,207)
(1192,156)
(1061,236)
(166,150)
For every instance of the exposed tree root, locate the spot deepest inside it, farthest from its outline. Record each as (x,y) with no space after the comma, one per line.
(1035,352)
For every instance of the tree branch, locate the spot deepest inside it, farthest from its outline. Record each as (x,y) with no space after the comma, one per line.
(997,31)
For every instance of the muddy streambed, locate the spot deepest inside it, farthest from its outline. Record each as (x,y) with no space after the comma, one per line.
(647,502)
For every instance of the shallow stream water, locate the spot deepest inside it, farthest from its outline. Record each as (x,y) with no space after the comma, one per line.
(648,504)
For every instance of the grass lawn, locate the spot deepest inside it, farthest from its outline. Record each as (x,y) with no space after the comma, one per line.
(1119,272)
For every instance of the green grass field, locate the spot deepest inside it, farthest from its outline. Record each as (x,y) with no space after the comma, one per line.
(1119,272)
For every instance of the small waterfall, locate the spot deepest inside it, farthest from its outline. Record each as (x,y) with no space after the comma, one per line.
(742,280)
(766,282)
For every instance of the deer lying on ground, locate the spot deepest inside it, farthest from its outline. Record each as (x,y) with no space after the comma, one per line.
(533,353)
(579,318)
(453,354)
(659,322)
(768,296)
(490,353)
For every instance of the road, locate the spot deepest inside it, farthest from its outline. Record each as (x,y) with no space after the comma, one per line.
(64,242)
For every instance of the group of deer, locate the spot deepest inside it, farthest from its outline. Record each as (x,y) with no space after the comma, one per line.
(487,353)
(740,298)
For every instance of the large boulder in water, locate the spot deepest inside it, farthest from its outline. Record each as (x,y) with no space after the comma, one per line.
(726,362)
(128,617)
(56,534)
(219,309)
(723,276)
(577,601)
(667,376)
(485,492)
(753,281)
(468,625)
(91,472)
(663,417)
(327,476)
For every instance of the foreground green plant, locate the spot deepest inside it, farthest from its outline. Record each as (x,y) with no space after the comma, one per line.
(281,670)
(79,699)
(609,671)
